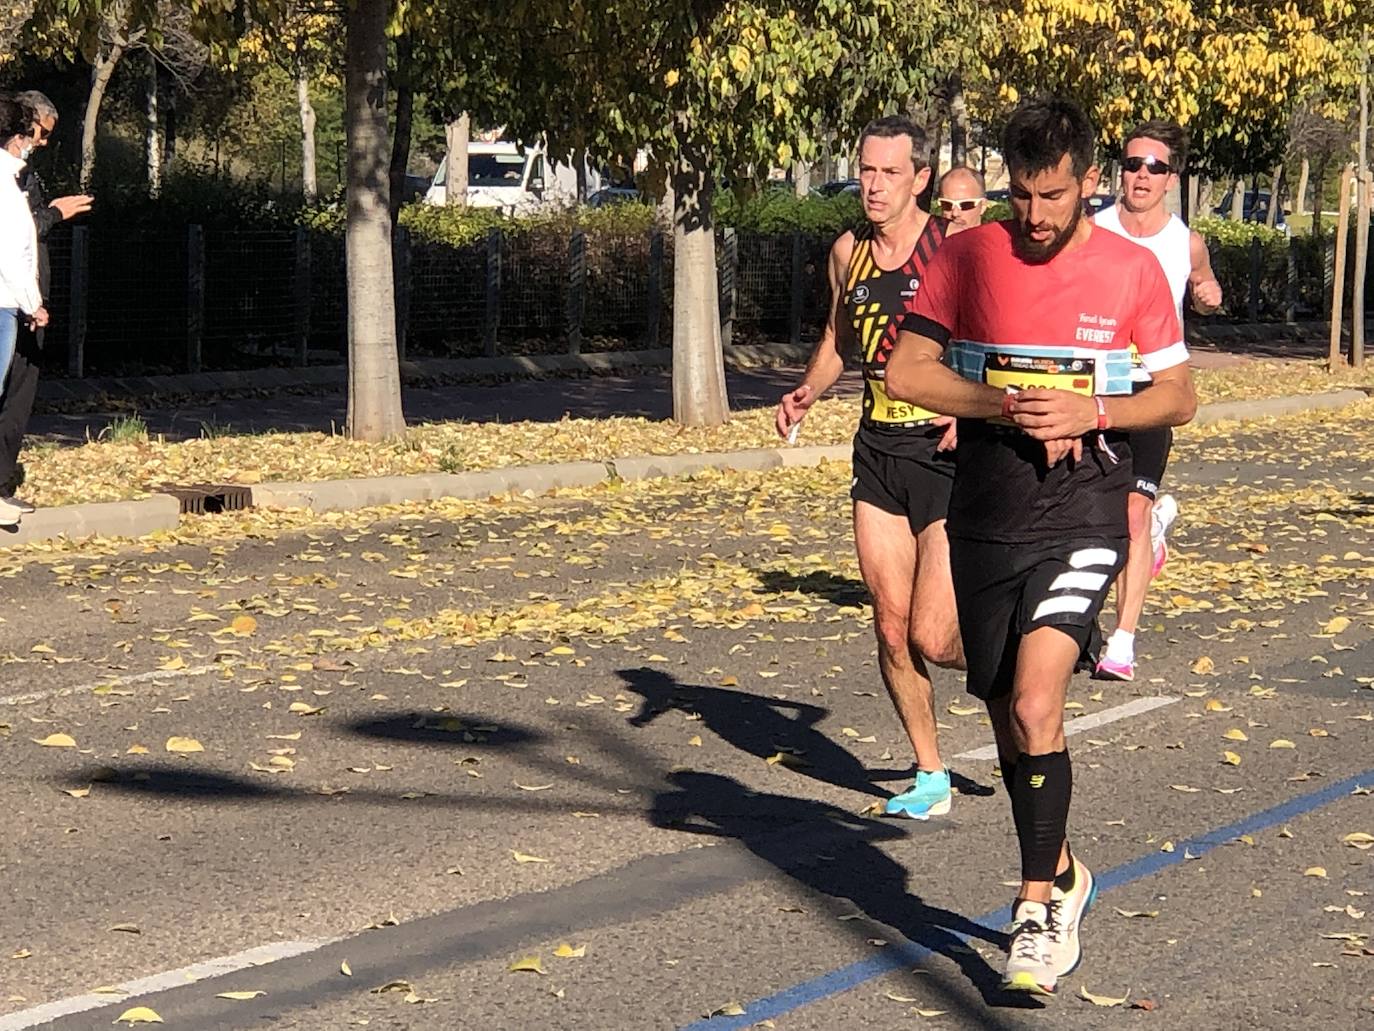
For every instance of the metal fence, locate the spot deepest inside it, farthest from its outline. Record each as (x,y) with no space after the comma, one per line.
(207,299)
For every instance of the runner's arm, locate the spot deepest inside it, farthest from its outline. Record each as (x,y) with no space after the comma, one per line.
(916,375)
(1059,414)
(826,363)
(1203,281)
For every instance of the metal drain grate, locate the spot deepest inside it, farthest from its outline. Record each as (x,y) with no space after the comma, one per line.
(210,498)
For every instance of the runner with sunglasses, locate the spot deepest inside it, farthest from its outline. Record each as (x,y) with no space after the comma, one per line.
(903,467)
(961,197)
(1151,162)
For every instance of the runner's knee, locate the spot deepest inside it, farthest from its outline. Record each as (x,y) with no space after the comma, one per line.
(1138,515)
(894,635)
(1039,720)
(938,642)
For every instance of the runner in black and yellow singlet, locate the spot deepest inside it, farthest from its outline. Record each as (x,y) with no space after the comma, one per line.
(902,477)
(898,464)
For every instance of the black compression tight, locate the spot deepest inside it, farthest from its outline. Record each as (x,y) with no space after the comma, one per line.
(1041,787)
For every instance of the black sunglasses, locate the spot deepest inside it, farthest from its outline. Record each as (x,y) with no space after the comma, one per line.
(1149,161)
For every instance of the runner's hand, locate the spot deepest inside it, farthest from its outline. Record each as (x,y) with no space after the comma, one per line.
(792,409)
(1055,450)
(1048,414)
(70,207)
(1208,294)
(39,319)
(950,440)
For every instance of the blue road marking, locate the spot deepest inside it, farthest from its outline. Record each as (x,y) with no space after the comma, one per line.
(908,954)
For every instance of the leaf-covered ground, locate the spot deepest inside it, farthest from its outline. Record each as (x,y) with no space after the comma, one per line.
(273,726)
(108,470)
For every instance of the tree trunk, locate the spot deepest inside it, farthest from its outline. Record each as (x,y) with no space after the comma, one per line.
(1272,215)
(699,396)
(1194,197)
(152,144)
(958,122)
(309,178)
(1300,198)
(405,112)
(801,178)
(100,81)
(936,142)
(167,105)
(457,133)
(374,382)
(1238,201)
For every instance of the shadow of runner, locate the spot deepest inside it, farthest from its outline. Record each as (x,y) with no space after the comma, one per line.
(834,853)
(754,724)
(819,583)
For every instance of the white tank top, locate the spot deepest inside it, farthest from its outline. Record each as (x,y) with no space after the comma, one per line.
(1172,245)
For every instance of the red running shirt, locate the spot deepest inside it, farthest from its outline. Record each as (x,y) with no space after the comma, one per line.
(1084,308)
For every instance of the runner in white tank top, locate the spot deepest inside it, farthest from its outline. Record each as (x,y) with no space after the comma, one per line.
(1151,161)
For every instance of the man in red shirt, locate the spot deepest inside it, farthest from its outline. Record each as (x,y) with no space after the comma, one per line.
(1038,315)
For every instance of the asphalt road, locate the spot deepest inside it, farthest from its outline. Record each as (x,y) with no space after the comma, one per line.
(646,720)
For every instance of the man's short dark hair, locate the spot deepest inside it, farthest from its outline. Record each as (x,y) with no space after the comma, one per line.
(1040,132)
(1171,134)
(16,119)
(892,126)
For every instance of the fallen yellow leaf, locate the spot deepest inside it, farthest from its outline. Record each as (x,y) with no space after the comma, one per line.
(521,857)
(1203,665)
(242,626)
(184,744)
(1281,743)
(1102,1000)
(1230,758)
(526,965)
(56,741)
(566,951)
(239,996)
(1315,871)
(138,1015)
(1236,734)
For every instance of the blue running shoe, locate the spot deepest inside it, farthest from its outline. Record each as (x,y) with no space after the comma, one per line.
(928,796)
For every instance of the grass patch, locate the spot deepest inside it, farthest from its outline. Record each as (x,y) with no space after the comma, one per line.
(125,429)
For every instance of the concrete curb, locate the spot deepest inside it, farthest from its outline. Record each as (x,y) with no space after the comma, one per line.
(1271,407)
(162,512)
(108,519)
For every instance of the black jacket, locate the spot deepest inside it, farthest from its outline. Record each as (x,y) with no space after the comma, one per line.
(44,218)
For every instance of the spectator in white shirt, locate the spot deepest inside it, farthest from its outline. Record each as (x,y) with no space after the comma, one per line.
(20,296)
(19,293)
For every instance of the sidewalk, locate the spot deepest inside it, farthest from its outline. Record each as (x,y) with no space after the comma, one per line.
(644,394)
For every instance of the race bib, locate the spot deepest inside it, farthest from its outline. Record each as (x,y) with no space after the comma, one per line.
(1080,370)
(889,412)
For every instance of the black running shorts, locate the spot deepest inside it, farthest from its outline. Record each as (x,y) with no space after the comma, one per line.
(1149,456)
(915,485)
(1004,591)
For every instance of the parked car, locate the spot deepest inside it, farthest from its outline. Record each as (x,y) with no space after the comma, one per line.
(513,178)
(1254,208)
(836,187)
(611,195)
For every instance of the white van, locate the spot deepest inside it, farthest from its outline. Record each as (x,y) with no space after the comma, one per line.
(503,175)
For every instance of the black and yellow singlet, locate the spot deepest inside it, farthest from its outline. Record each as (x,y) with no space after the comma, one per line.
(875,300)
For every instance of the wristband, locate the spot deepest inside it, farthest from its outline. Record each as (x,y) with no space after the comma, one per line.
(1101,413)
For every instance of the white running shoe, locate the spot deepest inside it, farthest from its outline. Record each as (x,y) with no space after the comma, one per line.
(1031,955)
(1066,912)
(24,506)
(10,514)
(1162,517)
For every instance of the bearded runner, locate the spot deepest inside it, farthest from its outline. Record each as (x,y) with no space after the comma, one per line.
(1039,315)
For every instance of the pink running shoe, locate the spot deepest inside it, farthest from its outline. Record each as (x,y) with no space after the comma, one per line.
(1109,670)
(1162,517)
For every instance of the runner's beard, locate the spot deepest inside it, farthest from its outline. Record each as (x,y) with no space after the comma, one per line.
(1035,253)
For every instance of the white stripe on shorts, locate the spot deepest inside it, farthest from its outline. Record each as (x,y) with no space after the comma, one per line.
(1092,557)
(1079,581)
(1062,603)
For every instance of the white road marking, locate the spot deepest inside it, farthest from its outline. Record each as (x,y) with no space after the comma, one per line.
(133,678)
(254,957)
(1082,723)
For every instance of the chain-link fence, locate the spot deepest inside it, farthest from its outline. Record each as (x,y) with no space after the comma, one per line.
(140,304)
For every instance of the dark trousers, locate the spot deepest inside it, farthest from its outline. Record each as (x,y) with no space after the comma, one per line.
(21,385)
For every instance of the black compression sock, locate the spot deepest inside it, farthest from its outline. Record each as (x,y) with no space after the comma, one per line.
(1065,881)
(1040,793)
